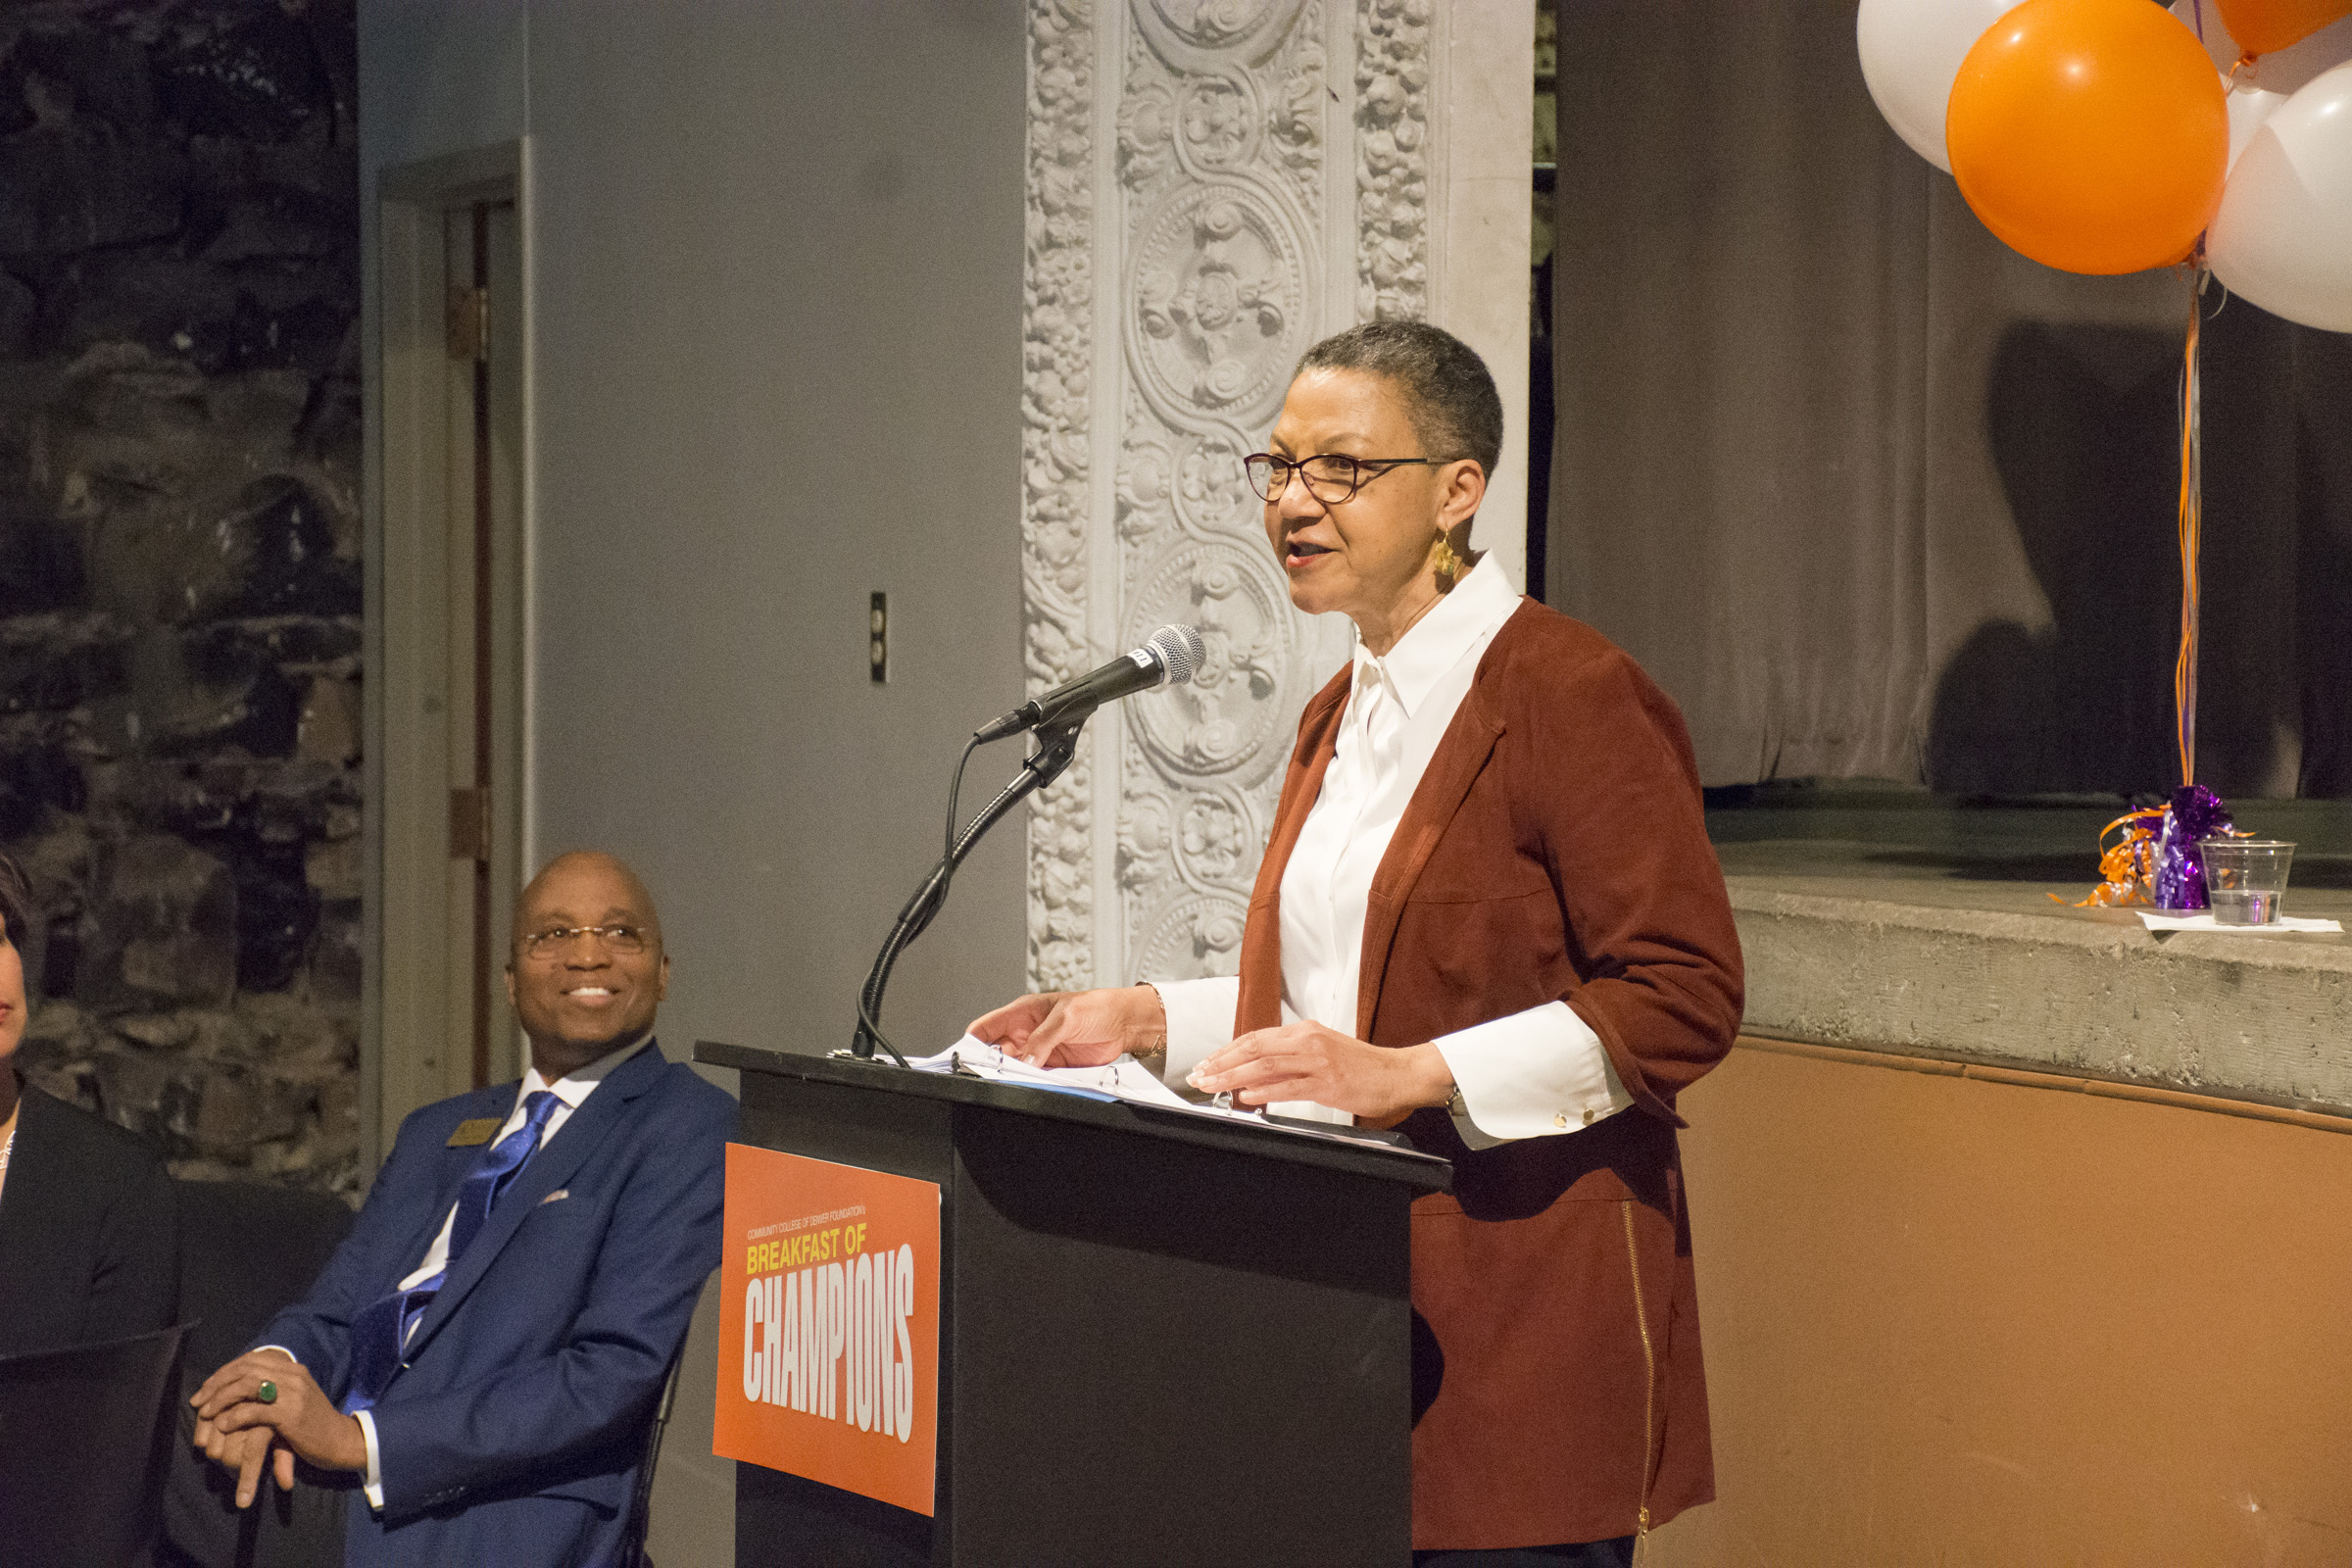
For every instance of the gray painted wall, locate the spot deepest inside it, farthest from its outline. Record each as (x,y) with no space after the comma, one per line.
(774,258)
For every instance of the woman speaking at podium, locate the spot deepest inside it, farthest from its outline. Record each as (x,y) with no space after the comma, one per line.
(1487,915)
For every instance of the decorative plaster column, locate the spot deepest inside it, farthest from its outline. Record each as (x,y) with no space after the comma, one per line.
(1213,186)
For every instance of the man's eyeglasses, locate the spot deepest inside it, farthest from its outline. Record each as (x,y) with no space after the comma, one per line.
(623,941)
(1331,476)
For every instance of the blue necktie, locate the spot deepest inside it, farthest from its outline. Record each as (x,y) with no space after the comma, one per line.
(381,1331)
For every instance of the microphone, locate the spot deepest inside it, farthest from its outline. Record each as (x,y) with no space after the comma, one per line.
(1170,655)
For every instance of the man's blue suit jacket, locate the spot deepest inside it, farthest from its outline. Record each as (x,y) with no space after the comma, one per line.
(513,1432)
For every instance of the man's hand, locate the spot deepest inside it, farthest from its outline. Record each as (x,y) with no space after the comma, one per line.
(1076,1028)
(238,1431)
(248,1454)
(1377,1084)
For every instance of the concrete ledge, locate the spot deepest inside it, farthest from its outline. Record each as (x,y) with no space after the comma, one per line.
(2326,1121)
(1996,973)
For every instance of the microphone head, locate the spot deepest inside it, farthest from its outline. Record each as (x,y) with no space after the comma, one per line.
(1179,651)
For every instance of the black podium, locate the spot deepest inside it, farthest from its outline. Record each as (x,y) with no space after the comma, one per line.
(1164,1339)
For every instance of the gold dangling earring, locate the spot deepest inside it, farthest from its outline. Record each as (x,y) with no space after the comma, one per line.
(1448,565)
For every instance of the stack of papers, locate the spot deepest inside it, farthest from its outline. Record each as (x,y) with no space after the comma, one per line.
(1124,1079)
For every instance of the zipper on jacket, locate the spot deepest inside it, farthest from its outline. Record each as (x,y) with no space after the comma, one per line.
(1649,1393)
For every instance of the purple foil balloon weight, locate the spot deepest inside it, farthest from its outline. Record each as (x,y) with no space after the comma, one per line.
(2195,812)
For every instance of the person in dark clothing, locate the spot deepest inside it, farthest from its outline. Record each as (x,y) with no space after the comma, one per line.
(89,1227)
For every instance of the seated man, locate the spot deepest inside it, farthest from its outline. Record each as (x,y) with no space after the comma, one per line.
(487,1347)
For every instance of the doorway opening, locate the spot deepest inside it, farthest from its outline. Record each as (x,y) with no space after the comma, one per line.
(450,607)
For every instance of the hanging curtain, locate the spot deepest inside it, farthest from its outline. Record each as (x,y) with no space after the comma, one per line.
(1873,496)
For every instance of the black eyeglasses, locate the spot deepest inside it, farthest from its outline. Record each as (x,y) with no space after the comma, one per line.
(1331,476)
(625,941)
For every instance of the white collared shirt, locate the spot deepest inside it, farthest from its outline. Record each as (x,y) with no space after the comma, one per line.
(1532,1073)
(571,1092)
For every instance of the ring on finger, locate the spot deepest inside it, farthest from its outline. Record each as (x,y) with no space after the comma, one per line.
(266,1393)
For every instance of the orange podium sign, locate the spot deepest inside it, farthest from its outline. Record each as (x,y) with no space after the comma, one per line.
(829,1325)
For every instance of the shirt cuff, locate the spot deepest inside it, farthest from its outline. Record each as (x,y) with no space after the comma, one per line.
(1199,1022)
(373,1484)
(1534,1075)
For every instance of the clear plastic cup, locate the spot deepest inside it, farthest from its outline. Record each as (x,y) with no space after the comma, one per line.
(2246,879)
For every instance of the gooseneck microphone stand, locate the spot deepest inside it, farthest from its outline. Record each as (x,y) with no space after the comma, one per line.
(1057,745)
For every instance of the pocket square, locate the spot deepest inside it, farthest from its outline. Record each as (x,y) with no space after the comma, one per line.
(556,1196)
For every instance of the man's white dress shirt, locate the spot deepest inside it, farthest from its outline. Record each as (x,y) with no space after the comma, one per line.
(571,1092)
(1532,1073)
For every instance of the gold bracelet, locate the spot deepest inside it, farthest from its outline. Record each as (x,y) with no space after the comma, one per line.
(1161,1047)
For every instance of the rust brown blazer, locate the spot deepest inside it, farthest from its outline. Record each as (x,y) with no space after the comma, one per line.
(1554,849)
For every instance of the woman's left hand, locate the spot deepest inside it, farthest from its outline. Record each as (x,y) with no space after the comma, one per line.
(1377,1084)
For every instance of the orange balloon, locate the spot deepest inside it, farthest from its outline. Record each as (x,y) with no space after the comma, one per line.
(2091,135)
(2262,26)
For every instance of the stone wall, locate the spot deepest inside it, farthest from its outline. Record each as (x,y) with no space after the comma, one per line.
(180,573)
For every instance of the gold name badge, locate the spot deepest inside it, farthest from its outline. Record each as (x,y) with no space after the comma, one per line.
(476,1131)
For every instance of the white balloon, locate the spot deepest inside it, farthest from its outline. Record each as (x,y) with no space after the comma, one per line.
(2250,109)
(2283,235)
(2269,80)
(1911,53)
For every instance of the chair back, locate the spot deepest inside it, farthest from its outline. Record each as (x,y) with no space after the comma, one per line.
(246,1252)
(83,1448)
(641,1504)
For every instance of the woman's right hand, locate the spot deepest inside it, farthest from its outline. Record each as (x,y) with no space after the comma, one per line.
(1076,1028)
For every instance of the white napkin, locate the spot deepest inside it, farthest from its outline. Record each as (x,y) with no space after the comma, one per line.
(2155,920)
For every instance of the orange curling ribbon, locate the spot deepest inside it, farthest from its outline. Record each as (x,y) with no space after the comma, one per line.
(2126,867)
(2191,527)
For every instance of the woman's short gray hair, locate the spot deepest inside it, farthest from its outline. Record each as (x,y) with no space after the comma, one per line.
(1448,392)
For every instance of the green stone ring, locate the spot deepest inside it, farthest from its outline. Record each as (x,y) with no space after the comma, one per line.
(266,1393)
